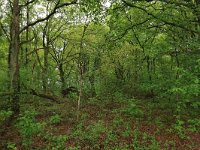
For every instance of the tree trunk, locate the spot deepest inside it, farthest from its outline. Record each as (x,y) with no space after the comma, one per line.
(46,53)
(82,70)
(27,33)
(135,65)
(62,76)
(13,57)
(92,84)
(149,68)
(177,63)
(45,69)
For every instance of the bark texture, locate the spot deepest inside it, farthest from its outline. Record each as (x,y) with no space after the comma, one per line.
(13,57)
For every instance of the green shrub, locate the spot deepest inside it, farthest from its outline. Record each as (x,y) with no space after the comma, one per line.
(133,110)
(11,146)
(56,142)
(194,125)
(178,126)
(143,141)
(4,115)
(28,127)
(55,119)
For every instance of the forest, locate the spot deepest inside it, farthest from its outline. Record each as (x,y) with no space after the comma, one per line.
(99,74)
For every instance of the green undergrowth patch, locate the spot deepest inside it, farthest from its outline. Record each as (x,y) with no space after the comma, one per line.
(111,125)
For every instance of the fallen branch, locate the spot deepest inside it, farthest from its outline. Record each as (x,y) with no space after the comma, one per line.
(54,98)
(57,99)
(11,93)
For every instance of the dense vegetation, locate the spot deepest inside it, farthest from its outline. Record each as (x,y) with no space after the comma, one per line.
(99,74)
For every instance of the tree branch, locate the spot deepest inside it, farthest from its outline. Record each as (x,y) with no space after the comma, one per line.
(27,41)
(57,6)
(28,3)
(156,17)
(4,30)
(57,99)
(130,28)
(54,98)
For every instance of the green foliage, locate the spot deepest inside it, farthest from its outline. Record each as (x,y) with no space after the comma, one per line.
(55,119)
(110,137)
(56,142)
(143,141)
(179,128)
(11,146)
(194,125)
(179,124)
(4,79)
(90,134)
(29,127)
(184,92)
(132,49)
(133,109)
(4,115)
(73,148)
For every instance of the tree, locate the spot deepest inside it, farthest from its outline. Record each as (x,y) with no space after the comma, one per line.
(15,45)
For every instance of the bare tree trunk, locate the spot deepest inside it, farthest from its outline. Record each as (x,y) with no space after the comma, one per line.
(13,59)
(177,63)
(81,70)
(79,98)
(62,76)
(27,32)
(149,68)
(135,65)
(45,69)
(46,53)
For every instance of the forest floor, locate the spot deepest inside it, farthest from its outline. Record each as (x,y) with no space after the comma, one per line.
(106,124)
